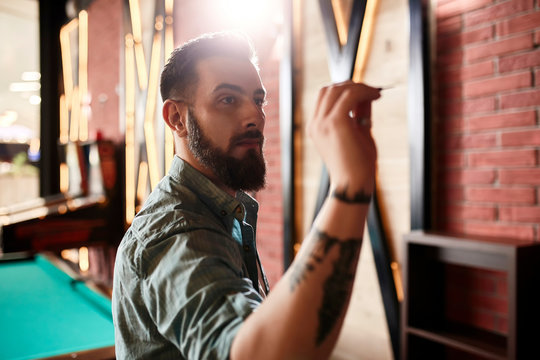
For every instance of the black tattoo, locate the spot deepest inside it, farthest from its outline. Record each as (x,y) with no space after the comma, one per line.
(337,287)
(358,198)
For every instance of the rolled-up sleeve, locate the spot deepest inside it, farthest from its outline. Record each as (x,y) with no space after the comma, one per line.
(196,293)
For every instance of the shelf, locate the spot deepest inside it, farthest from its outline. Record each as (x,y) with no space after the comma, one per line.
(428,333)
(474,341)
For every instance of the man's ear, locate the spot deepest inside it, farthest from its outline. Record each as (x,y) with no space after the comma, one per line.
(175,115)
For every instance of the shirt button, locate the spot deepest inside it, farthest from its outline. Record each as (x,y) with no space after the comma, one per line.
(246,247)
(223,212)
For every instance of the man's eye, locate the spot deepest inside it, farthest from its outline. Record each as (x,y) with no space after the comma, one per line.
(261,102)
(228,100)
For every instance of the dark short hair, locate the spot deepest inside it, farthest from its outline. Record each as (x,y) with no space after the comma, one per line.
(179,77)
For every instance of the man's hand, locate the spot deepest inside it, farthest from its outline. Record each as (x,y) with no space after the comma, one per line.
(302,317)
(341,130)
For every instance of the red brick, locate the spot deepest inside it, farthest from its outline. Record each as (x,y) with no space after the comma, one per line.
(507,195)
(470,212)
(454,160)
(458,75)
(520,232)
(502,285)
(464,177)
(498,11)
(537,37)
(521,23)
(501,324)
(449,25)
(459,7)
(500,121)
(464,279)
(520,176)
(497,84)
(521,138)
(451,92)
(497,48)
(519,61)
(479,105)
(537,77)
(526,214)
(456,41)
(450,59)
(477,70)
(453,195)
(472,317)
(453,227)
(453,125)
(492,303)
(521,99)
(474,141)
(503,158)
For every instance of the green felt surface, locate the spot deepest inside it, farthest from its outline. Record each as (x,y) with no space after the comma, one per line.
(43,312)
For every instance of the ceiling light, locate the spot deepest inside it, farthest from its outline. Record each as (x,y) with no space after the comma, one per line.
(35,100)
(24,86)
(30,76)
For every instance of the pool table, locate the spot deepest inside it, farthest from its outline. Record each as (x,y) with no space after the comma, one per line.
(46,313)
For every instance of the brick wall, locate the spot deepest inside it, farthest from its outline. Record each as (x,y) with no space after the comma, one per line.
(488,137)
(105,22)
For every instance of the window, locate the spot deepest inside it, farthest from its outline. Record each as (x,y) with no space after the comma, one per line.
(19,101)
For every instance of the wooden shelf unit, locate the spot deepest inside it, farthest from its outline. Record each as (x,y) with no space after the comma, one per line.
(428,334)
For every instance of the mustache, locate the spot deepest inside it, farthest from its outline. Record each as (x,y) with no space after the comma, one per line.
(248,135)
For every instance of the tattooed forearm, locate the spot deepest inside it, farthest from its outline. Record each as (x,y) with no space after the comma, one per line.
(358,198)
(337,286)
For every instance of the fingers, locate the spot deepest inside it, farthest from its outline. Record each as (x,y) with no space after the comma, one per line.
(347,95)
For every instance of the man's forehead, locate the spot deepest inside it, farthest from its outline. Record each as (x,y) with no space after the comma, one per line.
(219,72)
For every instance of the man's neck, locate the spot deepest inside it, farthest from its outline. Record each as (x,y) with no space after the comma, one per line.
(191,160)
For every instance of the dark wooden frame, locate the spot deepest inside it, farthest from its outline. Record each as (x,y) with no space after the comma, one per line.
(419,113)
(52,15)
(286,127)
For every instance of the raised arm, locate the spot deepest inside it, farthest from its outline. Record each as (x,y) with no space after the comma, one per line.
(302,316)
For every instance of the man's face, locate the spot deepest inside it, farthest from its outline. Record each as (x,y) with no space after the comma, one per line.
(226,121)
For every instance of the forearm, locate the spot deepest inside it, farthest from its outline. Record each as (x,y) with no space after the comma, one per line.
(302,316)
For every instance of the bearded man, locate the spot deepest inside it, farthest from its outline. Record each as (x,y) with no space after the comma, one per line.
(188,280)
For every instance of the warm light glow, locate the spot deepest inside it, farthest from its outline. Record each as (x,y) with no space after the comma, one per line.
(75,112)
(64,178)
(35,144)
(64,120)
(342,23)
(143,181)
(365,40)
(397,279)
(62,209)
(84,263)
(66,59)
(83,75)
(169,47)
(242,14)
(70,255)
(136,28)
(149,116)
(130,130)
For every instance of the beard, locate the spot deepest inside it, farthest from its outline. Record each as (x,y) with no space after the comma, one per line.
(247,173)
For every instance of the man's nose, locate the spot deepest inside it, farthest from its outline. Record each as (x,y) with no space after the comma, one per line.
(255,116)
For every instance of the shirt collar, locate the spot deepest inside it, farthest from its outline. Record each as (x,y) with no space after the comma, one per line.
(243,207)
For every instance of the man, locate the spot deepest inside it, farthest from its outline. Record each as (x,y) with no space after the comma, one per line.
(188,281)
